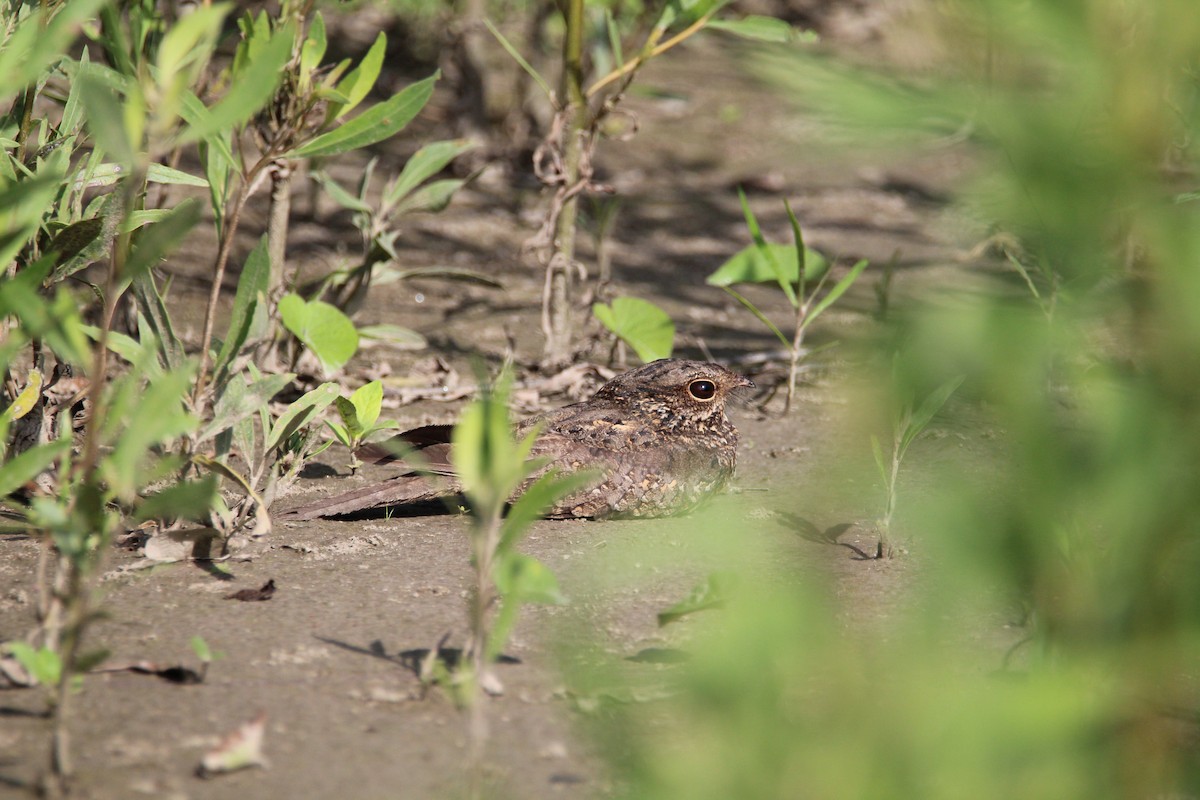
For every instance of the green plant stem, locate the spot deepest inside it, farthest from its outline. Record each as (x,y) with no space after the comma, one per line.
(485,541)
(794,355)
(558,312)
(232,219)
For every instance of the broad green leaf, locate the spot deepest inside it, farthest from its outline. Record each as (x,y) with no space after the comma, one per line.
(250,89)
(762,29)
(425,163)
(185,500)
(377,123)
(368,400)
(750,265)
(322,327)
(21,469)
(160,173)
(301,412)
(642,325)
(349,415)
(252,288)
(157,240)
(359,81)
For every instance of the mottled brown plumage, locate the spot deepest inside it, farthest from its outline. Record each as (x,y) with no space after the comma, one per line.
(657,438)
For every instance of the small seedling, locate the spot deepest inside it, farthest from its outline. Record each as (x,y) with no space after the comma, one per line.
(794,269)
(907,426)
(359,413)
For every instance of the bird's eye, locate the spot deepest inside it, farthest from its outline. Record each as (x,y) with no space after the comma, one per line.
(702,390)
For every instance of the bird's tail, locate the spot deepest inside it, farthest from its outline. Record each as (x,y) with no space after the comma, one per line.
(401,490)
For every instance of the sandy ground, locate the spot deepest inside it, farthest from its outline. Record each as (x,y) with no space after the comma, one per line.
(325,657)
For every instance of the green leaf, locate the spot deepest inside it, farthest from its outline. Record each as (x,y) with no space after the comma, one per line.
(185,500)
(339,195)
(160,419)
(877,450)
(44,665)
(349,415)
(27,399)
(516,55)
(431,198)
(753,309)
(313,49)
(161,173)
(642,325)
(837,291)
(928,410)
(250,89)
(359,81)
(377,123)
(301,412)
(340,431)
(39,40)
(712,593)
(252,288)
(322,327)
(153,311)
(201,649)
(105,120)
(762,29)
(534,501)
(368,400)
(526,580)
(21,469)
(240,401)
(425,163)
(157,240)
(752,265)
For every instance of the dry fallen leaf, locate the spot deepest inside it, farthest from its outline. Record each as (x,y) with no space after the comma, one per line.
(240,749)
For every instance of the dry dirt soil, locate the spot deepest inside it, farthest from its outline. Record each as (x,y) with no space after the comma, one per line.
(328,657)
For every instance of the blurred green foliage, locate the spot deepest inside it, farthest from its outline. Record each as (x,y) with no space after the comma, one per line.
(1079,521)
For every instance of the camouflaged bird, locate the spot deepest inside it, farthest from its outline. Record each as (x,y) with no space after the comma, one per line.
(656,437)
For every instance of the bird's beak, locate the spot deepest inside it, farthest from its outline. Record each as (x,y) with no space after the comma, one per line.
(744,382)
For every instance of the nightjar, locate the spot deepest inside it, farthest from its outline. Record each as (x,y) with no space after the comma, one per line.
(656,438)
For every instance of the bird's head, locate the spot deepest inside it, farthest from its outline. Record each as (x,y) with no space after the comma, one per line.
(674,388)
